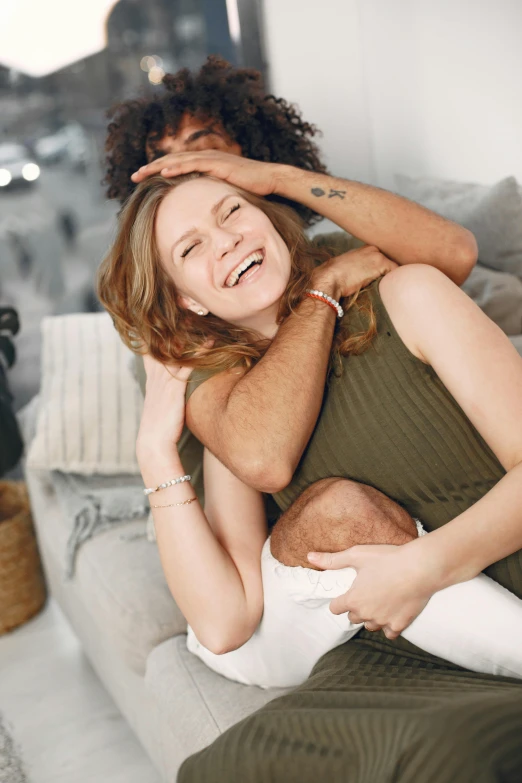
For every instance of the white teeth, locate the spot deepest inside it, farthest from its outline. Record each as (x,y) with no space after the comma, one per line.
(233,277)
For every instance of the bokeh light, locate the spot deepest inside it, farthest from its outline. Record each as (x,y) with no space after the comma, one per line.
(156,75)
(5,178)
(30,172)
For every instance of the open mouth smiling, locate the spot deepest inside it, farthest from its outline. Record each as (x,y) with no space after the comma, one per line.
(245,269)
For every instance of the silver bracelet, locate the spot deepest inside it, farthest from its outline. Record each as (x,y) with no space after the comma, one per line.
(329,300)
(178,480)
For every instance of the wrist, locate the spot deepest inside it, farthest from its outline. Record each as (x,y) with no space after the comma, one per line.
(440,570)
(286,179)
(324,280)
(158,464)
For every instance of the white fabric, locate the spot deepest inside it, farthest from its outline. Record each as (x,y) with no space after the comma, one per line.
(90,403)
(475,624)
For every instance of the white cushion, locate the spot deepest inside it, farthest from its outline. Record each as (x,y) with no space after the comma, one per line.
(90,404)
(493,214)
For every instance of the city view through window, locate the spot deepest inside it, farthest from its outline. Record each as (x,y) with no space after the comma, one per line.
(55,219)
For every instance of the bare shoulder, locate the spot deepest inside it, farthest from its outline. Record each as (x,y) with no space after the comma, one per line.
(417,298)
(471,355)
(411,282)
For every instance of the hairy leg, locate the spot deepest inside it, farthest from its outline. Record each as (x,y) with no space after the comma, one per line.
(334,514)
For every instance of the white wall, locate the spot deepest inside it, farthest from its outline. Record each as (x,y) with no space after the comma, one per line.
(315,60)
(425,87)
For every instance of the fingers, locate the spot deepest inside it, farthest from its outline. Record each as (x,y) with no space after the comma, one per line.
(179,372)
(340,605)
(149,362)
(175,164)
(332,560)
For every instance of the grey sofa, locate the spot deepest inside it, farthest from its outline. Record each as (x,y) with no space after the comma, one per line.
(119,605)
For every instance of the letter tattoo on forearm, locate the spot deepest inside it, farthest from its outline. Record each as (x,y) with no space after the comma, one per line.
(319,192)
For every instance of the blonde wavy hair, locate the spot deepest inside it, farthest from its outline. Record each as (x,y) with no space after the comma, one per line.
(143,301)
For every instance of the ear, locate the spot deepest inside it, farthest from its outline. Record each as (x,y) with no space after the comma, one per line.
(190,304)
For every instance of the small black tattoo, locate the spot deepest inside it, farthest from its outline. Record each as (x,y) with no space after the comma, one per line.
(340,193)
(318,192)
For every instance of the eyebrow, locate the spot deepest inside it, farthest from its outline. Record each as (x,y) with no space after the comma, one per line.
(215,209)
(200,133)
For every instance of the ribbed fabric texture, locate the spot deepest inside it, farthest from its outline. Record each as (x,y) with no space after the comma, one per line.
(388,421)
(365,716)
(375,711)
(90,405)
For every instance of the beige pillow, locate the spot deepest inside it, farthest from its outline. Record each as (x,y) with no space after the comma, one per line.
(90,402)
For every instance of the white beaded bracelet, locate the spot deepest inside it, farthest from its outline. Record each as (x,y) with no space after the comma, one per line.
(178,480)
(329,300)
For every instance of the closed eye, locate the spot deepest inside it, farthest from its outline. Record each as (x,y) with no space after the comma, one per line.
(193,245)
(188,249)
(230,211)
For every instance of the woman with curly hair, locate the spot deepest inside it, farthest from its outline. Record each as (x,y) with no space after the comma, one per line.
(203,272)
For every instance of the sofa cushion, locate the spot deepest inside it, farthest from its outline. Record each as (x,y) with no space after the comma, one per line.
(119,575)
(517,342)
(499,295)
(493,214)
(90,402)
(197,704)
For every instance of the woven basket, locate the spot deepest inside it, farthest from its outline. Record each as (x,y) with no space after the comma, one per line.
(22,585)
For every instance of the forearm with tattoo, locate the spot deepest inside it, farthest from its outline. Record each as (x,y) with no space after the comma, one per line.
(404,231)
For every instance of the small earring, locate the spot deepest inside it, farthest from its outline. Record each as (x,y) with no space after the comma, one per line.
(201,312)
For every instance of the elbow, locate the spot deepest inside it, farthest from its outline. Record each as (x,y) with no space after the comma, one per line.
(265,475)
(222,642)
(466,255)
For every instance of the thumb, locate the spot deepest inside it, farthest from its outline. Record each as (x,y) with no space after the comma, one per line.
(332,560)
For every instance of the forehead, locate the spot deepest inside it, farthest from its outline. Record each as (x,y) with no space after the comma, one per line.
(189,204)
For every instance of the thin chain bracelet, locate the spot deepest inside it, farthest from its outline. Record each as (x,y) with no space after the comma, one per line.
(170,505)
(171,483)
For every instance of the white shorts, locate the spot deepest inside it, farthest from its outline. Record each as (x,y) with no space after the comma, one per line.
(475,624)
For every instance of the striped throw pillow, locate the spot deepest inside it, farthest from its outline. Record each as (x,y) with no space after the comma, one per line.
(90,402)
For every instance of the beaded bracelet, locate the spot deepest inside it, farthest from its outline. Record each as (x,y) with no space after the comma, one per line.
(178,480)
(329,300)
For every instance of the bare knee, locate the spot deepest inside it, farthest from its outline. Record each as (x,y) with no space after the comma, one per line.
(334,514)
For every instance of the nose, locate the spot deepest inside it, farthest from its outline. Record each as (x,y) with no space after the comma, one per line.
(225,242)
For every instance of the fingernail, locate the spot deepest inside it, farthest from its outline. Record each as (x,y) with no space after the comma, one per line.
(313,557)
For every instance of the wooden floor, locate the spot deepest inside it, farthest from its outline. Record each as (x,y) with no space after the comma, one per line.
(66,726)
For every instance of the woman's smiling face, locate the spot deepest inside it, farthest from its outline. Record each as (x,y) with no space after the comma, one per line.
(222,253)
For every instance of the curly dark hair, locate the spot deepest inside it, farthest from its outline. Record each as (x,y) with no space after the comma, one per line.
(265,127)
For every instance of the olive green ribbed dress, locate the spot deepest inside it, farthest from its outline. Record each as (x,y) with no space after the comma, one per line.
(375,711)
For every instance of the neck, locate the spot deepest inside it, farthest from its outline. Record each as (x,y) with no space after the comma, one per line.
(264,323)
